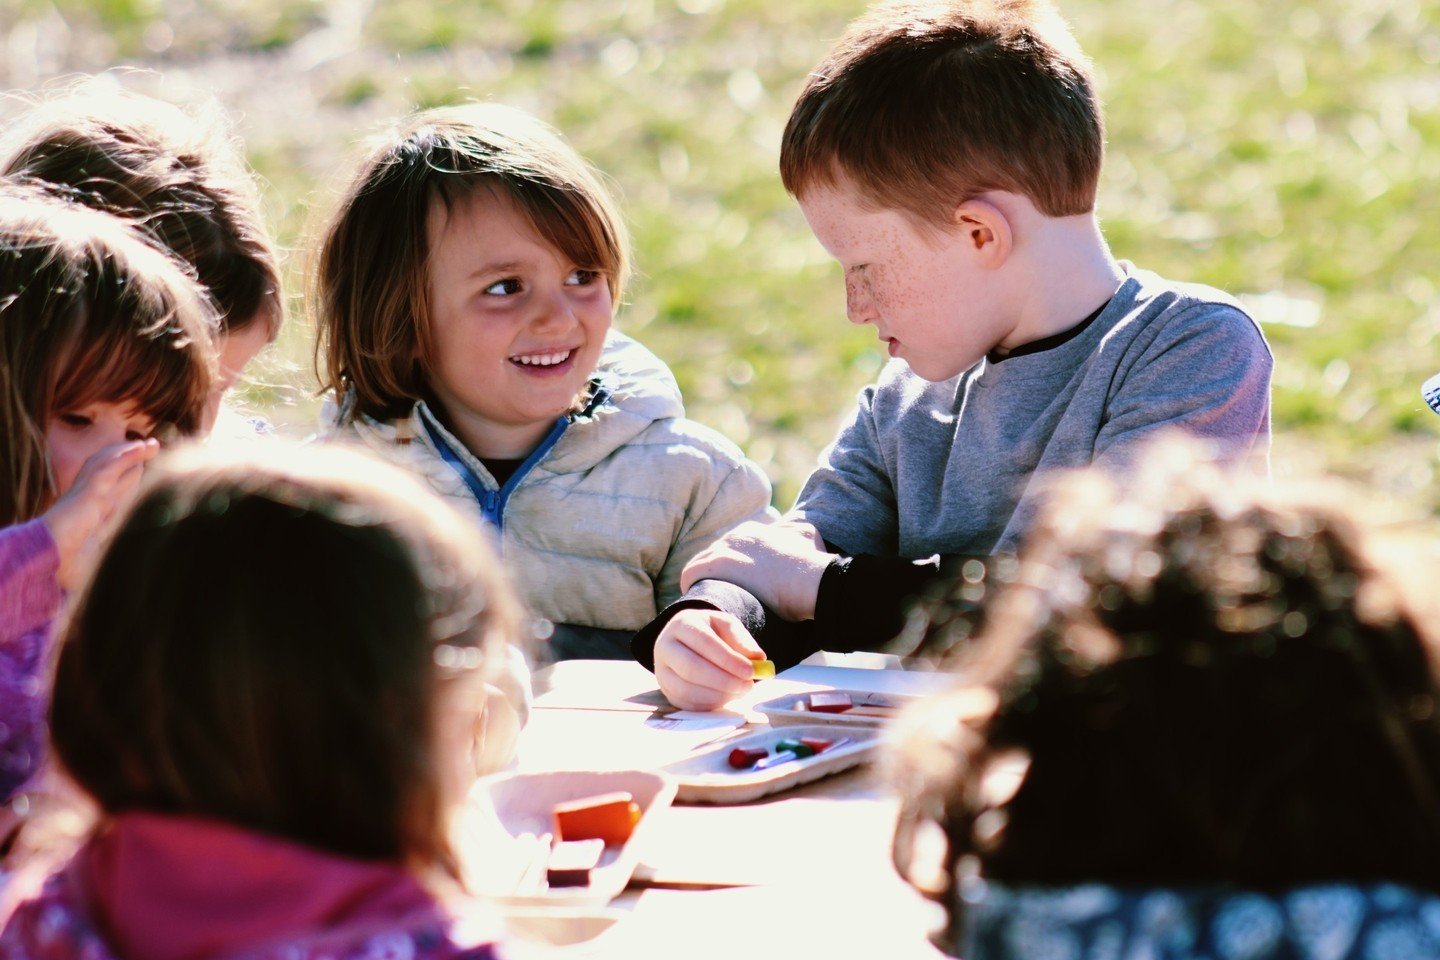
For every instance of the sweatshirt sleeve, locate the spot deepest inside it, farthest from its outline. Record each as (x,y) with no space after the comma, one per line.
(743,494)
(863,603)
(850,497)
(30,599)
(1207,374)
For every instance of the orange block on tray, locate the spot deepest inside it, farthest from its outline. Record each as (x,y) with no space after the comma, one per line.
(610,817)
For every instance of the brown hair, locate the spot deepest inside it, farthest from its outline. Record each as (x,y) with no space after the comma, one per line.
(89,312)
(370,284)
(179,176)
(1205,684)
(924,105)
(289,683)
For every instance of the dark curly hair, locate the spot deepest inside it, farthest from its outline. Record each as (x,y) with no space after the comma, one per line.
(1190,681)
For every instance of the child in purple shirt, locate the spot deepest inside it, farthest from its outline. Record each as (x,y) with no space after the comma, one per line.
(103,341)
(277,780)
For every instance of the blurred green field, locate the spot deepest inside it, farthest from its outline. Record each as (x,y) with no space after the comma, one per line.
(1288,152)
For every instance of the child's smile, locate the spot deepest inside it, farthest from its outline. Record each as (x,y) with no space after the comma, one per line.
(515,328)
(546,364)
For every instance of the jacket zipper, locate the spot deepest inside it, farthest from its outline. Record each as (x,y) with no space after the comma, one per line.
(491,501)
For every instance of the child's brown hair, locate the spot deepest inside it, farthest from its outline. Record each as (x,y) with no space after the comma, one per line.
(924,105)
(370,298)
(266,642)
(89,312)
(179,176)
(1205,683)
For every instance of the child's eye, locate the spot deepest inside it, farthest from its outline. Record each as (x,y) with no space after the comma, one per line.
(76,420)
(503,288)
(584,278)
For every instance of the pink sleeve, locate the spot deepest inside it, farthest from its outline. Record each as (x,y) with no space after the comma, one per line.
(30,598)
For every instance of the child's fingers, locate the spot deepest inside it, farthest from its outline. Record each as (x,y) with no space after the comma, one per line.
(699,660)
(733,632)
(110,463)
(698,673)
(705,689)
(118,472)
(712,637)
(685,695)
(124,487)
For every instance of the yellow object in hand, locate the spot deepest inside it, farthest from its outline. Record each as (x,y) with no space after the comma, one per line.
(764,669)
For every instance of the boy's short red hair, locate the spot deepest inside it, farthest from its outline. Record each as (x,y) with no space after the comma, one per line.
(924,105)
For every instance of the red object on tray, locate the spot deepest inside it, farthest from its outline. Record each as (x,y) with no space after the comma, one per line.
(742,758)
(610,817)
(829,702)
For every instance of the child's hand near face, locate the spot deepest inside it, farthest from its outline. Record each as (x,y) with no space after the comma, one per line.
(104,485)
(704,659)
(780,563)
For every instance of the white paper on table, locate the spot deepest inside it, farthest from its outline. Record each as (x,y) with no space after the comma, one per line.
(697,720)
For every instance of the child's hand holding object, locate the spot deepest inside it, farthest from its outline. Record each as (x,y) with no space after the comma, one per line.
(704,659)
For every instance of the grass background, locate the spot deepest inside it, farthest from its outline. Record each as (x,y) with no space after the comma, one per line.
(1287,152)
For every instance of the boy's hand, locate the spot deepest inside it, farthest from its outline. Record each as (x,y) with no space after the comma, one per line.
(704,659)
(81,517)
(780,563)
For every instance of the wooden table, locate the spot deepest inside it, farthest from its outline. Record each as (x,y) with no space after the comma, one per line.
(802,874)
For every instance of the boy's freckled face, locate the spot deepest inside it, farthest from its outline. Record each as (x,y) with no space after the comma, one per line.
(516,328)
(922,289)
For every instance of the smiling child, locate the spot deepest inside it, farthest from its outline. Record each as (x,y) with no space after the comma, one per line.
(465,291)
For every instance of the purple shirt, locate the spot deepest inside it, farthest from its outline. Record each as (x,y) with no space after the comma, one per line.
(30,598)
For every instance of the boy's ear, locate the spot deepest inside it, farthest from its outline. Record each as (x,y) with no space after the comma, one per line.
(985,230)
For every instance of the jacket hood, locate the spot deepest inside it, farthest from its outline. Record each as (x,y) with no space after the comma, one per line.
(169,888)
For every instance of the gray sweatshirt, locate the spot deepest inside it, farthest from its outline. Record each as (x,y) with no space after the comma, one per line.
(924,468)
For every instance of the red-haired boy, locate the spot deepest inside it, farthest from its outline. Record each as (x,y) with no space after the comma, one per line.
(948,155)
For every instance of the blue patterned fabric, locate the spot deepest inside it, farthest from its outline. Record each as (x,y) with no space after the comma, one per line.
(1095,922)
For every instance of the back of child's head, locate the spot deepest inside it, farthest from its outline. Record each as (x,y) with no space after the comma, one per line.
(266,642)
(179,176)
(1213,685)
(89,312)
(370,281)
(923,105)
